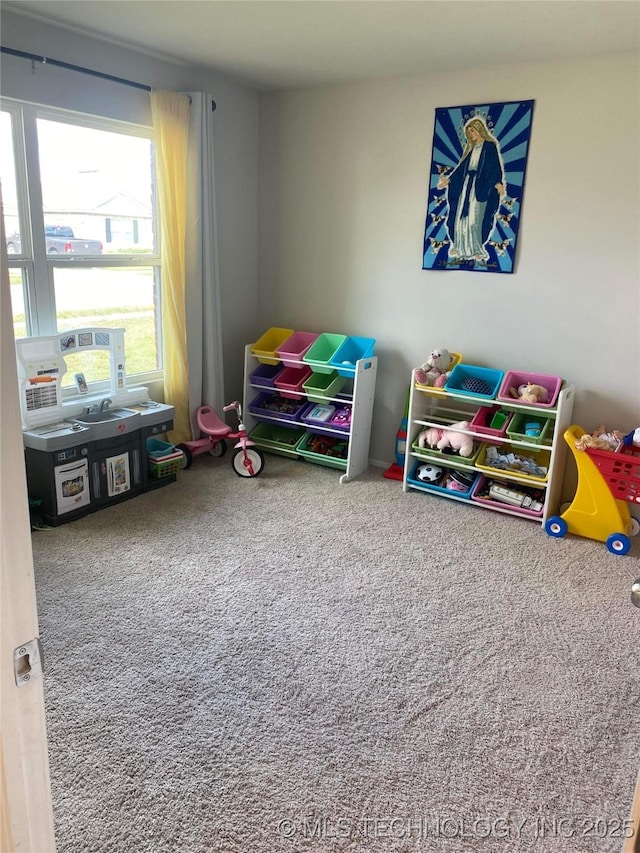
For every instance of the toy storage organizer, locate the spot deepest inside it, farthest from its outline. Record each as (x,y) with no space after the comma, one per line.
(501,427)
(310,396)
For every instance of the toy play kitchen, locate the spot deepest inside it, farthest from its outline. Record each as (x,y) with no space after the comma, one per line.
(84,451)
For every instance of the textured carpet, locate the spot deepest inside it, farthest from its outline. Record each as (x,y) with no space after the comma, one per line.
(287,663)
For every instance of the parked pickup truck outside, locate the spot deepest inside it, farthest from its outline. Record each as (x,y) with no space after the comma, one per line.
(60,241)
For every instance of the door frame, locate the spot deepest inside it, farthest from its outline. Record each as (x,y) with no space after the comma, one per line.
(26,813)
(632,844)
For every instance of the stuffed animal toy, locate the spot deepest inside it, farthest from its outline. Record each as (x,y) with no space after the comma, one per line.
(530,393)
(440,439)
(436,369)
(601,439)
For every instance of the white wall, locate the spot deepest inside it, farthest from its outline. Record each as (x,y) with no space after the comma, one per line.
(236,143)
(342,199)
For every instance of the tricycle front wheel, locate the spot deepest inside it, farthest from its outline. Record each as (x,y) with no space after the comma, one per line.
(248,462)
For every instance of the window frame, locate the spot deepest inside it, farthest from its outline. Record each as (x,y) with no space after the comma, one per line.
(36,266)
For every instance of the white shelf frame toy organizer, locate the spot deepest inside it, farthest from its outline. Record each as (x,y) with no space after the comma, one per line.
(435,407)
(364,384)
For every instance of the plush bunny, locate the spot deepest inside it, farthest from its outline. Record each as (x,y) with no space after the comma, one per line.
(443,438)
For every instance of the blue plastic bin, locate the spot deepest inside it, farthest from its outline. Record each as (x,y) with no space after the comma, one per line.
(353,348)
(442,490)
(469,373)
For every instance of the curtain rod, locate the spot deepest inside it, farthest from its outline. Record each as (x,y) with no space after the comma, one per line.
(58,63)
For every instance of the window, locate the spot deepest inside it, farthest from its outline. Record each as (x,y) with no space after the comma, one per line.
(79,211)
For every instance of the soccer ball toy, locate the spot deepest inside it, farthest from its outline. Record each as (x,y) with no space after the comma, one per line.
(429,473)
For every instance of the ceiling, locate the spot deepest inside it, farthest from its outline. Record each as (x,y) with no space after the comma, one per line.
(274,44)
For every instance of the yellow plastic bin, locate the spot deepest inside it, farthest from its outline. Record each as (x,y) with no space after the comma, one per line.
(265,347)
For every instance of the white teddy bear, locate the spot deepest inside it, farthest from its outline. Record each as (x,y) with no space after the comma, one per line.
(436,369)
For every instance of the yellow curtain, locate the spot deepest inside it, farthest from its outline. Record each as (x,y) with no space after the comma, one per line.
(170,114)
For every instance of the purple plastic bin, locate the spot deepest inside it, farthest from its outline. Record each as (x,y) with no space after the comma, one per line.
(292,350)
(513,379)
(341,419)
(318,414)
(265,374)
(275,406)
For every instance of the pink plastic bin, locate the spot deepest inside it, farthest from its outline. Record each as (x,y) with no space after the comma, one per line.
(289,381)
(513,379)
(483,417)
(292,350)
(475,496)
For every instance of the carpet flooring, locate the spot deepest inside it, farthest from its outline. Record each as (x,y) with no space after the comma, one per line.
(290,664)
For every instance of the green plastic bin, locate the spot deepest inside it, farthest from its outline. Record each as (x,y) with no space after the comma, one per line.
(517,429)
(322,351)
(320,386)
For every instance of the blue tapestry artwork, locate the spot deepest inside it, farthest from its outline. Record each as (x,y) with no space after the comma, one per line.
(476,184)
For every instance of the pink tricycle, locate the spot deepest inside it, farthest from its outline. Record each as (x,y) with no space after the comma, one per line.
(247,460)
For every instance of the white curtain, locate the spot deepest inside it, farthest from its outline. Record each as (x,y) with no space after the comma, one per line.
(202,292)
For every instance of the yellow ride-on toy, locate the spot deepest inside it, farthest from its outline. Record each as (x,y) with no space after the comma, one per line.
(608,481)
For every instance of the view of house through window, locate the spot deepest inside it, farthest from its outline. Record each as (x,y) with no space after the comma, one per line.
(80,221)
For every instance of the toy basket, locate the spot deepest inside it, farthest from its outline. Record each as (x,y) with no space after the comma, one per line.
(479,495)
(276,438)
(474,381)
(462,492)
(162,458)
(322,350)
(620,470)
(530,428)
(344,358)
(308,448)
(265,347)
(268,405)
(493,421)
(321,386)
(291,351)
(289,381)
(539,457)
(513,379)
(452,459)
(165,467)
(265,375)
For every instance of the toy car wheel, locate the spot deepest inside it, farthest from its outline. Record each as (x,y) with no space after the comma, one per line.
(618,543)
(187,456)
(556,527)
(249,466)
(635,527)
(218,449)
